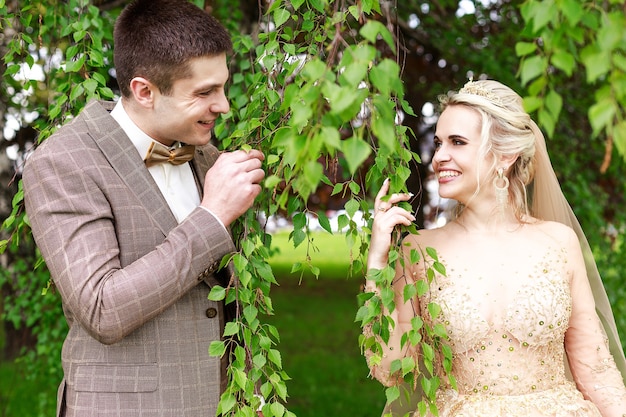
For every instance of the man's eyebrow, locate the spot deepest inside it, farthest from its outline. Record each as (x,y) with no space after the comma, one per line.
(206,87)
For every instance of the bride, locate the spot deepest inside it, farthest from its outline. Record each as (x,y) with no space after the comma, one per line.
(529,323)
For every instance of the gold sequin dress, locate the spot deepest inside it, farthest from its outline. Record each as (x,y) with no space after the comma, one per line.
(513,363)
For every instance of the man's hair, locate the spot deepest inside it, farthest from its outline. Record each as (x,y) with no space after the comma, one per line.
(156,39)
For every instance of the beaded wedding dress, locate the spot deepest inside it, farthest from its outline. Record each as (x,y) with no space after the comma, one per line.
(510,327)
(513,363)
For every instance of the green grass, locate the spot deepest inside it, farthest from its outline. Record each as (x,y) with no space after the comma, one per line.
(319,338)
(21,396)
(328,252)
(319,341)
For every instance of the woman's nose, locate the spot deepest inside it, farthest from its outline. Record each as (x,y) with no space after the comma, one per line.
(441,154)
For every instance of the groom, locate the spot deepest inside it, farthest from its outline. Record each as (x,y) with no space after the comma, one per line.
(130,206)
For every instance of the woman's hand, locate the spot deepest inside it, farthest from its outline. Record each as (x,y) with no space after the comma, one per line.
(386,217)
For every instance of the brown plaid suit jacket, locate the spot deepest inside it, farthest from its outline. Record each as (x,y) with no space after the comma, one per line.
(134,283)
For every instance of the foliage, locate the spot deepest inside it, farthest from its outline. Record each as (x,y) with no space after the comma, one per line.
(84,51)
(313,92)
(572,63)
(376,313)
(317,86)
(318,98)
(568,36)
(75,69)
(26,307)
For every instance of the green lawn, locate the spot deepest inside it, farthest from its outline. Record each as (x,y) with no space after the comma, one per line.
(21,396)
(319,341)
(319,338)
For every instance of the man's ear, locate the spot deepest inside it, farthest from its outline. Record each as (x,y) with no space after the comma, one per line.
(142,91)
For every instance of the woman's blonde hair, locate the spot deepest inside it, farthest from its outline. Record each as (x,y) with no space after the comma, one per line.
(507,131)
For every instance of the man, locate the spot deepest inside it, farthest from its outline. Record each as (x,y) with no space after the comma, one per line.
(133,245)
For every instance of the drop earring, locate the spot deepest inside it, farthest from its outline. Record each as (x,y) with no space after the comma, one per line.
(501,184)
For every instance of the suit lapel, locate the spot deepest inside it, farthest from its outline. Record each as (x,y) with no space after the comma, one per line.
(203,160)
(119,151)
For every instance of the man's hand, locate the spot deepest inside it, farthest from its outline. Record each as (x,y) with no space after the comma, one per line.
(232,184)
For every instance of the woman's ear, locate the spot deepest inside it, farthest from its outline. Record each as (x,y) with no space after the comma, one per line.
(508,160)
(142,91)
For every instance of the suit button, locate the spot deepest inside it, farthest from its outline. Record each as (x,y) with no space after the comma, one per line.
(211,312)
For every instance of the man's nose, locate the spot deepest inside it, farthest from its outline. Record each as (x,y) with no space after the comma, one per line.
(221,105)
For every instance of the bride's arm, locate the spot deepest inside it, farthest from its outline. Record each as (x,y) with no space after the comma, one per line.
(401,316)
(387,216)
(592,365)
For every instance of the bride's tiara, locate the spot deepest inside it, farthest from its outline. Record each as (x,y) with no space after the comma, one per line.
(476,89)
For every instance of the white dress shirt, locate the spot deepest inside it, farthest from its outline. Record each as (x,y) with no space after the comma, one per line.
(176,182)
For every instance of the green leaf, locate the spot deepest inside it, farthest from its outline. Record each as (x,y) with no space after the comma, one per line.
(392,394)
(298,237)
(344,101)
(296,4)
(278,410)
(544,13)
(217,293)
(533,103)
(250,312)
(76,92)
(564,61)
(351,207)
(601,114)
(434,310)
(356,151)
(387,295)
(572,10)
(372,29)
(314,70)
(330,137)
(525,48)
(611,32)
(619,137)
(554,103)
(217,348)
(274,356)
(299,221)
(547,121)
(324,222)
(385,131)
(240,378)
(227,403)
(240,262)
(408,365)
(409,292)
(231,328)
(386,78)
(439,267)
(75,65)
(532,68)
(280,16)
(354,74)
(12,69)
(597,62)
(432,252)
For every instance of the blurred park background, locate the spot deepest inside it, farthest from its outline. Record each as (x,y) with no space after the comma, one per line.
(315,318)
(566,57)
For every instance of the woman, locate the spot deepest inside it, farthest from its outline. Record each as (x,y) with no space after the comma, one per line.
(518,299)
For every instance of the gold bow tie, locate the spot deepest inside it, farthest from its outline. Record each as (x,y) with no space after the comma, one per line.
(158,154)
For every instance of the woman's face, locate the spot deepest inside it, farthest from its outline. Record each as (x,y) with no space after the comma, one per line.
(457,161)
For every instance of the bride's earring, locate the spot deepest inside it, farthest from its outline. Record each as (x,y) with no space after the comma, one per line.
(501,184)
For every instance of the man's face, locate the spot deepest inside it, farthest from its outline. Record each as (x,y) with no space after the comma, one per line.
(188,114)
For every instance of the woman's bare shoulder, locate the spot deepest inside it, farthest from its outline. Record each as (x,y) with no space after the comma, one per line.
(555,230)
(429,237)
